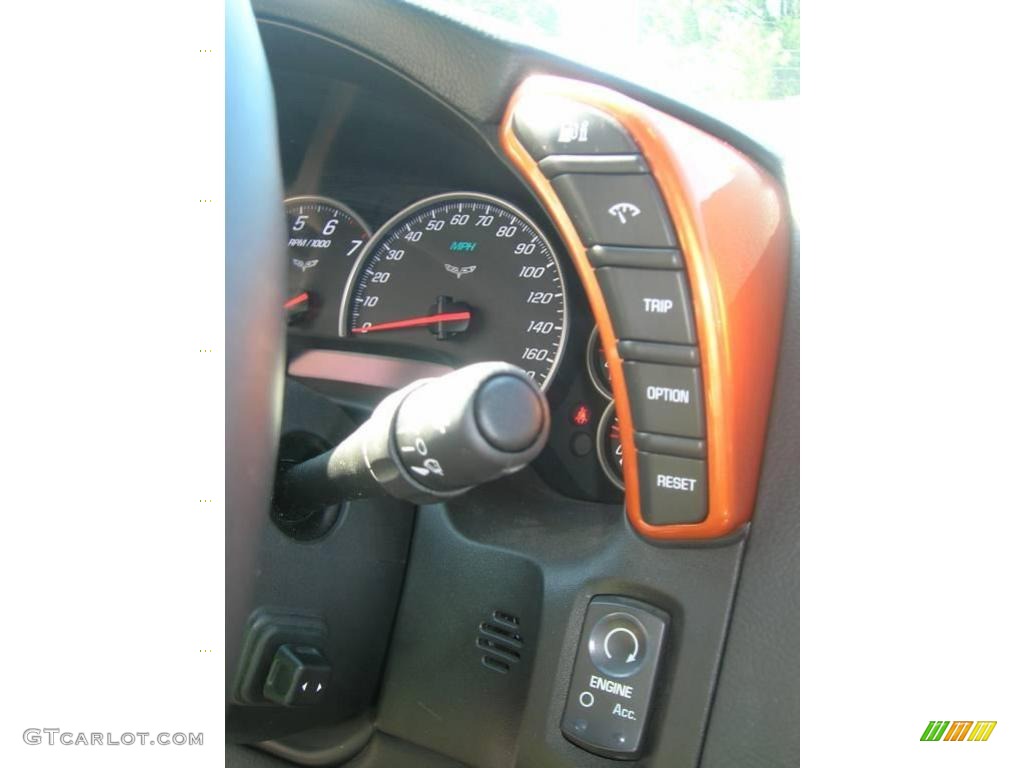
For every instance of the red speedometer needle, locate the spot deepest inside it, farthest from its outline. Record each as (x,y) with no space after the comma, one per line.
(413,322)
(294,301)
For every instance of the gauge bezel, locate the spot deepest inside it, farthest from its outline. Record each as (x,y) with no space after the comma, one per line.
(337,204)
(413,208)
(595,377)
(602,430)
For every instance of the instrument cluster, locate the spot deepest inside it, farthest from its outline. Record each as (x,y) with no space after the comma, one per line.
(413,249)
(449,280)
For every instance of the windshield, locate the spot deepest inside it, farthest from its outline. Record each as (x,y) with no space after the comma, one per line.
(738,60)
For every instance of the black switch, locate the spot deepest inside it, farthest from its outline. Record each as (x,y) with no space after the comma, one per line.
(673,489)
(614,675)
(299,676)
(608,209)
(557,126)
(665,399)
(648,304)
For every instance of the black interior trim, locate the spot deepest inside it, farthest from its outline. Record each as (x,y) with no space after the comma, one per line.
(470,70)
(755,718)
(547,539)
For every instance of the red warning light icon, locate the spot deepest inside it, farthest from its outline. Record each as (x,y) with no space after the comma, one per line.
(581,415)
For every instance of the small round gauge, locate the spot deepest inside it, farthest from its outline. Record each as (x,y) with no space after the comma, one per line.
(461,277)
(325,238)
(597,365)
(609,446)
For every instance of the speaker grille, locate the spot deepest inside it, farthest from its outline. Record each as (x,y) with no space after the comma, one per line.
(501,642)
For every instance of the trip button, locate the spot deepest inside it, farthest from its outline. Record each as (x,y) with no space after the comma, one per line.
(665,399)
(623,209)
(549,125)
(672,489)
(648,304)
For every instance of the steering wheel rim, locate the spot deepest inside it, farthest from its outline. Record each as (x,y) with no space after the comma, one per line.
(255,285)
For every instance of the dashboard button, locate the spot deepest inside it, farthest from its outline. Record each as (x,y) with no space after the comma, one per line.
(672,489)
(665,399)
(616,209)
(581,444)
(298,675)
(556,126)
(614,675)
(618,645)
(648,304)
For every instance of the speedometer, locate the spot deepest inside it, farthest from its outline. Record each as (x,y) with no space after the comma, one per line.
(465,276)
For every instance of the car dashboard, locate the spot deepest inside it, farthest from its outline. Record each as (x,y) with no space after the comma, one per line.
(451,199)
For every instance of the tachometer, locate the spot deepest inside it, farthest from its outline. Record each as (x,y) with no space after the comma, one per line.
(466,276)
(324,239)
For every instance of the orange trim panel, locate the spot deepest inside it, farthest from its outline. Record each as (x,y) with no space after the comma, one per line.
(732,224)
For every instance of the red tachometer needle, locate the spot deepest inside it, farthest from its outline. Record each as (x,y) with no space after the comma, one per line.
(413,322)
(294,301)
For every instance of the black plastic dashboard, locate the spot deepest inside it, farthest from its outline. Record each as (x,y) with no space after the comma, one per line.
(404,593)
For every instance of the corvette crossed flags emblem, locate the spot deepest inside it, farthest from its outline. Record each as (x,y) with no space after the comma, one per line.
(460,271)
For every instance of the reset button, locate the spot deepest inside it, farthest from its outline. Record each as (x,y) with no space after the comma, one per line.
(672,489)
